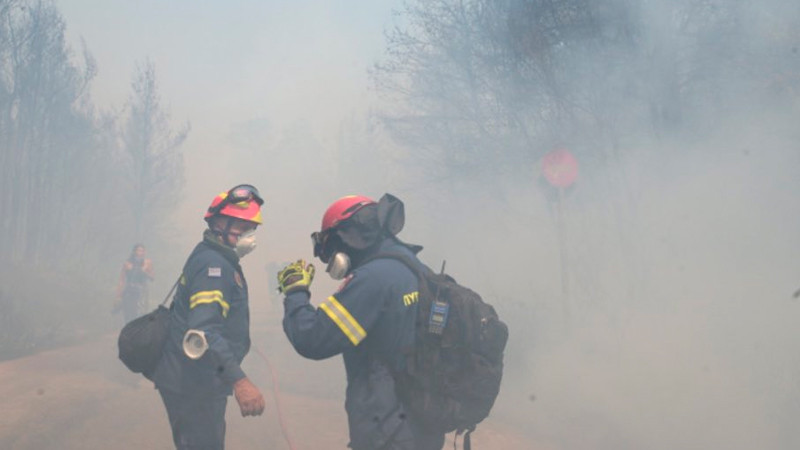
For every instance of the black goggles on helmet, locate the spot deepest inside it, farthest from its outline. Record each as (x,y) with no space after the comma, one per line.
(240,193)
(318,240)
(324,243)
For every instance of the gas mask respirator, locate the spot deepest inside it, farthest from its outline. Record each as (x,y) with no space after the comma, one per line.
(246,243)
(325,245)
(338,266)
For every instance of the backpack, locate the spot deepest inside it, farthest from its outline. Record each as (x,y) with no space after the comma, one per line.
(453,373)
(141,341)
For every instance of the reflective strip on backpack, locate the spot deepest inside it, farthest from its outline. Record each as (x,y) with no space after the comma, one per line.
(346,322)
(204,297)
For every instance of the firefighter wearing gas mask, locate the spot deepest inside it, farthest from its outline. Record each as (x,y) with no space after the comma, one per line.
(210,310)
(370,320)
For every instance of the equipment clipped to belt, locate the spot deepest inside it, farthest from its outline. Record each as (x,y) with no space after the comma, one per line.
(194,344)
(141,340)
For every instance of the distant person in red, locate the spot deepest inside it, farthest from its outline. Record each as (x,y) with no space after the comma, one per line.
(137,271)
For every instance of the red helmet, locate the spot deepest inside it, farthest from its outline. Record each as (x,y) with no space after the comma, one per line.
(241,202)
(343,209)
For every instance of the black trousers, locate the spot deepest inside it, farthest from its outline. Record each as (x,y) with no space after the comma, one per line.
(198,423)
(134,302)
(410,437)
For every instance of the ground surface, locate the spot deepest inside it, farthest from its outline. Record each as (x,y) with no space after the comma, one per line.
(82,397)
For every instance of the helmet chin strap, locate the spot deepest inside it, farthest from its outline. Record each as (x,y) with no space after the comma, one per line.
(344,258)
(223,234)
(227,233)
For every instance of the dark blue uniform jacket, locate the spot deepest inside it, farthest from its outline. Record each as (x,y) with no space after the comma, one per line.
(212,297)
(370,320)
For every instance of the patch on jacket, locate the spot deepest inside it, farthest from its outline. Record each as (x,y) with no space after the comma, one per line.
(345,282)
(215,272)
(411,298)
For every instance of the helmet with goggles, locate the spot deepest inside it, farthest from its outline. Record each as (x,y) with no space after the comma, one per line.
(241,202)
(338,212)
(343,209)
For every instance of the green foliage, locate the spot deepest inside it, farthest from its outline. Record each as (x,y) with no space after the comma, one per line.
(76,191)
(483,88)
(153,163)
(47,131)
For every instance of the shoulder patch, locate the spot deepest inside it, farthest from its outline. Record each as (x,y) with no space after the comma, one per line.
(215,272)
(346,280)
(411,298)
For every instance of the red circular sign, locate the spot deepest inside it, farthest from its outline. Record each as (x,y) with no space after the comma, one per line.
(560,168)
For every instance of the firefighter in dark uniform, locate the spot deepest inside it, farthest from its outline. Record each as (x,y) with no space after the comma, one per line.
(211,307)
(370,320)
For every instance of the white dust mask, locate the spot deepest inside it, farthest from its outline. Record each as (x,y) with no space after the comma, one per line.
(246,243)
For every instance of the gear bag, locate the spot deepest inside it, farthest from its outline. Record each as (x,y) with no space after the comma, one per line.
(141,341)
(454,370)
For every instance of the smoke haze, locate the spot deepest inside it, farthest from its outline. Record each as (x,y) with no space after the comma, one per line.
(678,328)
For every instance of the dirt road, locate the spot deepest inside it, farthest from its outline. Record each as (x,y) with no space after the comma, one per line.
(82,398)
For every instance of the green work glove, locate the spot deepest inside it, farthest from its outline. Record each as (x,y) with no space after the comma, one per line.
(296,276)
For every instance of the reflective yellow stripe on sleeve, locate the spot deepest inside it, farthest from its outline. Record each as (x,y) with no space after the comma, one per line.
(344,320)
(204,297)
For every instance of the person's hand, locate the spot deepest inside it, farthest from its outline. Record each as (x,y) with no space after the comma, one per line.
(250,400)
(147,268)
(295,276)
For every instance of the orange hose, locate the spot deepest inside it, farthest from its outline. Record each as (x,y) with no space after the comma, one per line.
(276,393)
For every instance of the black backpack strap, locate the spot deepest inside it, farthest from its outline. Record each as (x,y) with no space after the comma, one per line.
(467,440)
(164,302)
(419,269)
(398,257)
(467,444)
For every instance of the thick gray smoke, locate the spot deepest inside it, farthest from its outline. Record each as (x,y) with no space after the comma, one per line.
(676,329)
(675,324)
